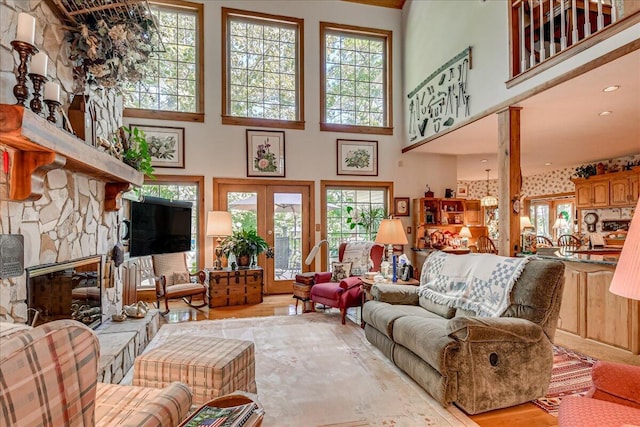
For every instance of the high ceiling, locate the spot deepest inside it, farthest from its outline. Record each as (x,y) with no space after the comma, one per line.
(561,125)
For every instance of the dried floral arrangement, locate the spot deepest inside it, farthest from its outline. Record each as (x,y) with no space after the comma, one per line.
(113,49)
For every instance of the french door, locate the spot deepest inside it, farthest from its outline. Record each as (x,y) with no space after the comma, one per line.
(281,213)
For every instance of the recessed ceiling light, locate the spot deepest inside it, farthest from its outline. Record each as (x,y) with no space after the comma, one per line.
(484,160)
(611,88)
(605,113)
(548,164)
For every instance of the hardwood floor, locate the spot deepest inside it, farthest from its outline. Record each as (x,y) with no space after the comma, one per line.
(525,415)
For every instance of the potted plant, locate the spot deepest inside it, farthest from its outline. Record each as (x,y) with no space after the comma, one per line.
(244,244)
(136,150)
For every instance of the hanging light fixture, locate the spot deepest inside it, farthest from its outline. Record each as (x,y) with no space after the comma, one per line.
(488,200)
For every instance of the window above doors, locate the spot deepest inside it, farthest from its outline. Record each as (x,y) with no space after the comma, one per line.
(262,74)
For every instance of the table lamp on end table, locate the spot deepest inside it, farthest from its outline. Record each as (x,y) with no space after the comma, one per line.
(391,232)
(218,225)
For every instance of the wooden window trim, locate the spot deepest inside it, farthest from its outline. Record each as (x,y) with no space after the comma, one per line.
(325,184)
(188,179)
(198,115)
(262,122)
(388,62)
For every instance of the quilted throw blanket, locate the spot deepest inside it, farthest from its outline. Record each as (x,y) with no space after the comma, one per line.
(478,282)
(357,253)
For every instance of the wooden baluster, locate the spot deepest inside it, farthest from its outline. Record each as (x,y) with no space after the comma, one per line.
(552,30)
(563,29)
(523,57)
(587,20)
(600,16)
(532,57)
(574,23)
(614,12)
(542,48)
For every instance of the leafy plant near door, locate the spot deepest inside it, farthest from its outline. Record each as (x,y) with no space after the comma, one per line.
(244,245)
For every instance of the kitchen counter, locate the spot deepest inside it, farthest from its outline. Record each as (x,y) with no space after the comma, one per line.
(589,256)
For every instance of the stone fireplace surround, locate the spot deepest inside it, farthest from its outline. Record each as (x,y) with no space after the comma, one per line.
(67,222)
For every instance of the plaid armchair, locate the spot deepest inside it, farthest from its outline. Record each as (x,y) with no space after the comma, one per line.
(50,378)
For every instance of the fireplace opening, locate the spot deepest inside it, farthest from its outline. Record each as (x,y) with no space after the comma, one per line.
(66,290)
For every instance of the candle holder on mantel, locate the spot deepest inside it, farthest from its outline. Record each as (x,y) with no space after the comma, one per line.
(25,50)
(38,80)
(53,106)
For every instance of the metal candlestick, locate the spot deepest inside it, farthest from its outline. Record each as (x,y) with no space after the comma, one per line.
(53,106)
(25,50)
(36,104)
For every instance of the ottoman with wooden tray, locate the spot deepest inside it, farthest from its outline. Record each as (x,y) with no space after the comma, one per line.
(212,367)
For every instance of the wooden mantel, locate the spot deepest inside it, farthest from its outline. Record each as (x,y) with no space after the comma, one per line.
(40,146)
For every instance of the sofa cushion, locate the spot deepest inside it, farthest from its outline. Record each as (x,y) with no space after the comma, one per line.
(167,264)
(381,315)
(437,308)
(576,411)
(427,338)
(340,270)
(395,294)
(327,290)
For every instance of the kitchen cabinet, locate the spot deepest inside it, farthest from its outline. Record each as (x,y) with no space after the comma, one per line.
(473,212)
(592,194)
(624,190)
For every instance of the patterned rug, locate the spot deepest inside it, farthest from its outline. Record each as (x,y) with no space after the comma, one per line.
(571,376)
(312,371)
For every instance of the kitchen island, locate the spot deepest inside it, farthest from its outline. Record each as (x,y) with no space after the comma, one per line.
(590,315)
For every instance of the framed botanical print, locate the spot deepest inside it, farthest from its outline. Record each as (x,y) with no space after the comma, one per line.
(265,153)
(166,145)
(401,206)
(357,157)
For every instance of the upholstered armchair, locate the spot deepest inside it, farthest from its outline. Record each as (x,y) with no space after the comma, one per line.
(340,288)
(614,399)
(174,280)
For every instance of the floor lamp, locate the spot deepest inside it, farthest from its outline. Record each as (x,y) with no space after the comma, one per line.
(391,232)
(626,278)
(218,225)
(314,251)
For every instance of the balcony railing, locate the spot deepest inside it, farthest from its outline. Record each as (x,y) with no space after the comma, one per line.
(542,29)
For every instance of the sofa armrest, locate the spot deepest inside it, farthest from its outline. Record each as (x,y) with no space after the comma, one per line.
(487,329)
(616,382)
(322,277)
(395,294)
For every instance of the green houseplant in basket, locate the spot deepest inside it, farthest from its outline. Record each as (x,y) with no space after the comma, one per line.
(244,245)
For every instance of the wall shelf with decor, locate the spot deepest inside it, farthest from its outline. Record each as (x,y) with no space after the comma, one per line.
(40,146)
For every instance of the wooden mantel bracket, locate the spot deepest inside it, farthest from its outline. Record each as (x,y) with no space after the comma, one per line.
(113,195)
(28,172)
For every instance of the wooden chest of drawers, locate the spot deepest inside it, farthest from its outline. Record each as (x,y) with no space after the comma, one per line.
(235,287)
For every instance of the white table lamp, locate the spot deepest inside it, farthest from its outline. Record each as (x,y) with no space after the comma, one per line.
(218,225)
(465,234)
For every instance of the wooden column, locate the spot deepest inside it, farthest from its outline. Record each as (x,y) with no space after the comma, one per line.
(509,180)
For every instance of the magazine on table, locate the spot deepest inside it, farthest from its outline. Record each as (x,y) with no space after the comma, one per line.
(233,416)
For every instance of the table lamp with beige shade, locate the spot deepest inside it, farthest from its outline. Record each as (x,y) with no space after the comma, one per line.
(391,232)
(465,235)
(626,278)
(218,225)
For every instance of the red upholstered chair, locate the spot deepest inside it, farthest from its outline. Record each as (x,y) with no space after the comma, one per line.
(614,399)
(347,292)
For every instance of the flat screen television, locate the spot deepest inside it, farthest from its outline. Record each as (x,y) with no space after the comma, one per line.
(159,226)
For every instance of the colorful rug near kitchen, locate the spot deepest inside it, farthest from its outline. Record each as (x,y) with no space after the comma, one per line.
(571,376)
(312,371)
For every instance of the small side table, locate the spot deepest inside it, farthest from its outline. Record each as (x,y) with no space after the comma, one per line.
(302,290)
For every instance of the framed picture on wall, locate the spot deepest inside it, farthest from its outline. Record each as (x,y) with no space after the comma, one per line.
(462,191)
(265,153)
(401,206)
(166,145)
(357,157)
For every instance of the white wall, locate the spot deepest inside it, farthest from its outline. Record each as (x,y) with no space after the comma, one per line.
(214,150)
(437,30)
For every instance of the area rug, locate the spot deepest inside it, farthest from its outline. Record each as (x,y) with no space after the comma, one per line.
(570,376)
(311,371)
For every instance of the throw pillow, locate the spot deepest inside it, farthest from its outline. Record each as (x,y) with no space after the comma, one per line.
(340,270)
(180,277)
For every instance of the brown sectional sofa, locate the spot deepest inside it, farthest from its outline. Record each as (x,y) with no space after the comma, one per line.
(478,363)
(48,377)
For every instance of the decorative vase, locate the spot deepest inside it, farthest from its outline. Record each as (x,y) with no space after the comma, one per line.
(243,261)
